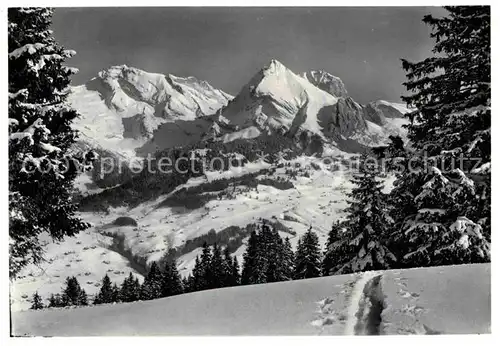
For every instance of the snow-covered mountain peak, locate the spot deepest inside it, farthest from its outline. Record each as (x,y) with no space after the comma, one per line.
(326,82)
(400,107)
(274,66)
(112,71)
(123,107)
(182,96)
(279,99)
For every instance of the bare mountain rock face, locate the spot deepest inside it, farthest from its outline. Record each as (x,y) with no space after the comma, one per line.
(326,82)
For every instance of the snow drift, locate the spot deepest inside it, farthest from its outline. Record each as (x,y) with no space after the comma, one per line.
(438,300)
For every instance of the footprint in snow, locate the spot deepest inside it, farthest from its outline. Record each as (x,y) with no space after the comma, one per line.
(412,310)
(406,294)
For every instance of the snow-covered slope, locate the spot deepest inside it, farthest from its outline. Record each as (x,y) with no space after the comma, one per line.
(383,119)
(88,256)
(438,300)
(123,106)
(317,198)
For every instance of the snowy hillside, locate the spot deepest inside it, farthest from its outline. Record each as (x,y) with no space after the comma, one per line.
(438,300)
(316,197)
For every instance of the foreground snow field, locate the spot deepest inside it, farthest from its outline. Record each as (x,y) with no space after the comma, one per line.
(438,300)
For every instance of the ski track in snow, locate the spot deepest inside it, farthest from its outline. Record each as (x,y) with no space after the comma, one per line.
(352,308)
(356,298)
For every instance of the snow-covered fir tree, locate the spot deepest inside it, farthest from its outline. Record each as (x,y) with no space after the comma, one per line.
(439,233)
(231,274)
(254,271)
(308,256)
(55,301)
(82,298)
(271,248)
(204,279)
(116,293)
(130,289)
(172,282)
(187,283)
(236,277)
(37,303)
(367,224)
(73,294)
(195,278)
(152,286)
(442,210)
(217,274)
(105,294)
(337,251)
(266,258)
(42,165)
(287,261)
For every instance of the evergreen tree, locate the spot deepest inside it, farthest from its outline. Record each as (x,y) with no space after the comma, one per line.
(172,282)
(136,290)
(367,225)
(442,235)
(452,90)
(42,167)
(125,288)
(337,251)
(37,302)
(152,286)
(82,298)
(130,289)
(254,261)
(236,277)
(115,296)
(72,293)
(187,283)
(446,209)
(217,275)
(228,273)
(308,256)
(105,294)
(271,249)
(205,268)
(287,261)
(196,279)
(55,301)
(267,258)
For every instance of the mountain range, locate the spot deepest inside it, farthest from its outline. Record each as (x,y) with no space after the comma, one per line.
(128,113)
(298,119)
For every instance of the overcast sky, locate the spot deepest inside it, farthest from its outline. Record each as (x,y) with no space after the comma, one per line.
(227,46)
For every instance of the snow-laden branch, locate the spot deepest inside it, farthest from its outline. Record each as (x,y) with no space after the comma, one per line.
(21,92)
(483,169)
(28,132)
(49,148)
(30,48)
